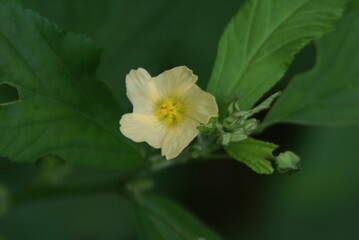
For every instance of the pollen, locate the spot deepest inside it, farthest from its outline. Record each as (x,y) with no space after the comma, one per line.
(169,111)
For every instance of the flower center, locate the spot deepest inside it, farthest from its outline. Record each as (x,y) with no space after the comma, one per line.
(170,111)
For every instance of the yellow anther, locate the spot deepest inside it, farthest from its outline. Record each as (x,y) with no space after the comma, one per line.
(169,111)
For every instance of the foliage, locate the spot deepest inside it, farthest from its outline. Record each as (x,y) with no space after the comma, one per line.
(329,93)
(52,105)
(259,43)
(158,218)
(238,125)
(62,109)
(233,133)
(254,153)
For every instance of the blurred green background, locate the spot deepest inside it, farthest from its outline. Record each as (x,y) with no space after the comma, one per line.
(320,202)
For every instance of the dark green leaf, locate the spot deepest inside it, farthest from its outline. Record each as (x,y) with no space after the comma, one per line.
(328,94)
(158,218)
(259,43)
(63,109)
(152,34)
(254,153)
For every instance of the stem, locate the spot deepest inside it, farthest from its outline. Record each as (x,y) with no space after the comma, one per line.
(37,193)
(46,192)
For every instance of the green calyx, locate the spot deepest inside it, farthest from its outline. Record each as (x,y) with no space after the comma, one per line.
(238,125)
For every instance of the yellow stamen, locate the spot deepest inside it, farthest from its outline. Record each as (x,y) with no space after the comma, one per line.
(170,111)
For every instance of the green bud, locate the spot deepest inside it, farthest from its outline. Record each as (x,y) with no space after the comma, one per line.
(238,137)
(238,125)
(288,162)
(233,106)
(224,138)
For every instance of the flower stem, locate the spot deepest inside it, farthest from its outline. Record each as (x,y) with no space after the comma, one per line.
(44,192)
(47,192)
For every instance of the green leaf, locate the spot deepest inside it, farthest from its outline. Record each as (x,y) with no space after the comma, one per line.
(287,162)
(329,93)
(259,43)
(254,153)
(63,109)
(158,218)
(142,33)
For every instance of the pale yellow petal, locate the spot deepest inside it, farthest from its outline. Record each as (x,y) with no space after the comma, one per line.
(178,137)
(199,105)
(141,91)
(143,128)
(174,82)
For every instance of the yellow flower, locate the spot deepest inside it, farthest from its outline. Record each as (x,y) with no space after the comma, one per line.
(167,109)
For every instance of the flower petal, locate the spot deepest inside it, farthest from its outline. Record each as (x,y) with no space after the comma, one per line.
(174,82)
(141,91)
(178,137)
(199,105)
(143,128)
